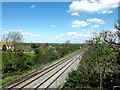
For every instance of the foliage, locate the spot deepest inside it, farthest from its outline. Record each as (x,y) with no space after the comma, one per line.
(15,37)
(44,53)
(20,60)
(15,62)
(98,68)
(4,48)
(47,53)
(34,46)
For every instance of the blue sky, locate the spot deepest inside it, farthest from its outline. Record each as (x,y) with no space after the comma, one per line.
(56,22)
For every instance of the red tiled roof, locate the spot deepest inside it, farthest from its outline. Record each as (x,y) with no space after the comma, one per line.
(6,43)
(118,46)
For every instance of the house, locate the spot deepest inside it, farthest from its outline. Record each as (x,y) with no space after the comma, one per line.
(116,47)
(8,45)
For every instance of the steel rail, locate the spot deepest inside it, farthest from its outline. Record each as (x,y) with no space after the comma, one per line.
(55,76)
(26,77)
(23,84)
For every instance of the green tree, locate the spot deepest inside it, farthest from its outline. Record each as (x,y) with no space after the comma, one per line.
(15,37)
(97,68)
(4,48)
(34,46)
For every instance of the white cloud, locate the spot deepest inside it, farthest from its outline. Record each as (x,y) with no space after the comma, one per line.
(73,35)
(78,24)
(86,31)
(97,20)
(75,14)
(104,12)
(30,34)
(114,30)
(13,30)
(31,37)
(33,6)
(83,29)
(52,26)
(95,26)
(93,6)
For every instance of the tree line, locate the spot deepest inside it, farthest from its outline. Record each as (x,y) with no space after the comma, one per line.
(100,65)
(13,61)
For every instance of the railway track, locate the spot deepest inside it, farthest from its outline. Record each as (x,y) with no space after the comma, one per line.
(45,77)
(56,75)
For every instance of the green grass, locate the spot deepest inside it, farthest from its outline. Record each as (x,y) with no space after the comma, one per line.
(0,61)
(30,54)
(0,67)
(9,79)
(16,75)
(0,64)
